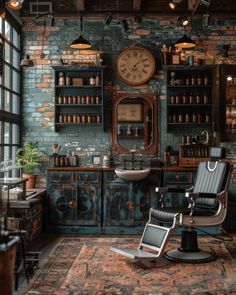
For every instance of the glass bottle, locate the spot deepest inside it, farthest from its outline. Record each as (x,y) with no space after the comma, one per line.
(61,80)
(205,98)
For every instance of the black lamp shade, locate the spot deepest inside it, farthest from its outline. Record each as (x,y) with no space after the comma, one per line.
(80,43)
(185,42)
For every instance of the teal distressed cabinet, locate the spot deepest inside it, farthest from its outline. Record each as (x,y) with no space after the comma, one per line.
(74,201)
(126,203)
(96,201)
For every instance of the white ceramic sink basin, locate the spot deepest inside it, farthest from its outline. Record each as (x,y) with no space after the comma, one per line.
(133,175)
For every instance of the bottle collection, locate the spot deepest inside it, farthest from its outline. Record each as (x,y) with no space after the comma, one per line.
(189,98)
(66,80)
(64,160)
(77,99)
(194,151)
(189,117)
(194,80)
(74,118)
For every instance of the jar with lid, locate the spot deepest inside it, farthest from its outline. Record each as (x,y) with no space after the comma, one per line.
(61,80)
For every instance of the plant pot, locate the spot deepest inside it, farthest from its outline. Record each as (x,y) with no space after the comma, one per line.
(30,183)
(7,262)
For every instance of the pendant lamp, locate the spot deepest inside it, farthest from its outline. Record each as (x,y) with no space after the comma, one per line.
(15,4)
(26,62)
(80,42)
(185,42)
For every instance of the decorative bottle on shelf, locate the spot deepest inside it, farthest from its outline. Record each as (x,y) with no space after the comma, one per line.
(68,80)
(97,80)
(61,80)
(72,160)
(205,98)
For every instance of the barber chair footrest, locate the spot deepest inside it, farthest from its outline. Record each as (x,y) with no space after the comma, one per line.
(134,253)
(190,257)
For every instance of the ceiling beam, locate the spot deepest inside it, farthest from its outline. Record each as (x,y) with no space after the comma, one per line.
(79,5)
(137,5)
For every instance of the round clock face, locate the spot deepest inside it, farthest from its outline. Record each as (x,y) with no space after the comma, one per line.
(135,65)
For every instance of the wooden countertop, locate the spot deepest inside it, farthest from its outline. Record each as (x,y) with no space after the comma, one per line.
(166,168)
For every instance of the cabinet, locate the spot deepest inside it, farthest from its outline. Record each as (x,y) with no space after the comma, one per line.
(74,201)
(228,102)
(177,178)
(126,203)
(79,96)
(189,96)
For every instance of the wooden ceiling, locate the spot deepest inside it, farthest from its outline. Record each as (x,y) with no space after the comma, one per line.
(94,8)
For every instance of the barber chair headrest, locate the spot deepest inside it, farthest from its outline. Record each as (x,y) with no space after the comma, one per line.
(217,153)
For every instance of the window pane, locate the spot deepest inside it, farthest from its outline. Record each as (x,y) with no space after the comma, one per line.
(6,133)
(6,153)
(1,21)
(1,134)
(7,76)
(15,82)
(16,59)
(7,101)
(7,52)
(15,134)
(16,39)
(15,104)
(1,99)
(7,30)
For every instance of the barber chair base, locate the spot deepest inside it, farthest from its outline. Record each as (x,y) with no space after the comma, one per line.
(179,255)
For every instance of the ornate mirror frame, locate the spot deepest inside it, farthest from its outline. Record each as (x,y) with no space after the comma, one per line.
(152,99)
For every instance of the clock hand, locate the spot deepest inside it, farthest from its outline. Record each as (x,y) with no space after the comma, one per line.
(134,66)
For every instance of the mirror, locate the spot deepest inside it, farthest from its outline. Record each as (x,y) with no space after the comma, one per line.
(135,123)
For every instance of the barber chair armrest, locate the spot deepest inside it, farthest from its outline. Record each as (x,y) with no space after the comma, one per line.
(176,189)
(194,196)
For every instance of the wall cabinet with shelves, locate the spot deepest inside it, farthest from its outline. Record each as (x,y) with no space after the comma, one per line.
(79,95)
(228,102)
(189,96)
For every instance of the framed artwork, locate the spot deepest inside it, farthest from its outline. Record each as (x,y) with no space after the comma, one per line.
(175,58)
(96,161)
(129,112)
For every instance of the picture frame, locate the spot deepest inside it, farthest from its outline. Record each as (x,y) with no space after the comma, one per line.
(129,112)
(96,160)
(175,58)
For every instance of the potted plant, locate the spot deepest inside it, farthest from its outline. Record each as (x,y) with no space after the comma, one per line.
(28,158)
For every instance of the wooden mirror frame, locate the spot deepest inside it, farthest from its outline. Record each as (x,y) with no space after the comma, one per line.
(150,98)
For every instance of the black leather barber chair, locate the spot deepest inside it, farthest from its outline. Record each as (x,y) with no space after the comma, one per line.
(207,206)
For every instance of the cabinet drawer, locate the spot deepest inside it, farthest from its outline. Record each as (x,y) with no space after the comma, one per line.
(88,176)
(61,177)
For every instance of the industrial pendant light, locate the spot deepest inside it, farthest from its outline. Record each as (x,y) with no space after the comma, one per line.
(80,42)
(185,42)
(15,4)
(26,62)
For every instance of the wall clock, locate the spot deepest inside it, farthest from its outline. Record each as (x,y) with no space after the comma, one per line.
(135,65)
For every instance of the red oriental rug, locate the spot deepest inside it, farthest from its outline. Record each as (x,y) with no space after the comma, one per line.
(86,266)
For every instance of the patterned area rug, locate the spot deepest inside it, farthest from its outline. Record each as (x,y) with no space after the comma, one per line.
(86,266)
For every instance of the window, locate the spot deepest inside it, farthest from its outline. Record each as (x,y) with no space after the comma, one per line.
(9,88)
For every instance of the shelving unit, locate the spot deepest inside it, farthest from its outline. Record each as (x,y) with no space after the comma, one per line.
(228,102)
(190,155)
(79,96)
(189,96)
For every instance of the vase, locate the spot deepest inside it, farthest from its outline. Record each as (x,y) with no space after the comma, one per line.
(31,180)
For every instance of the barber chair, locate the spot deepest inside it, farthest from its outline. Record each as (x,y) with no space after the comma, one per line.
(207,206)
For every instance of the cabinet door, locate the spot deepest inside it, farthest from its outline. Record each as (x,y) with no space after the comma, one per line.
(63,203)
(88,198)
(127,203)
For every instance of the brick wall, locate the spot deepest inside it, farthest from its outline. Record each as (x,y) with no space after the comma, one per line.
(38,81)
